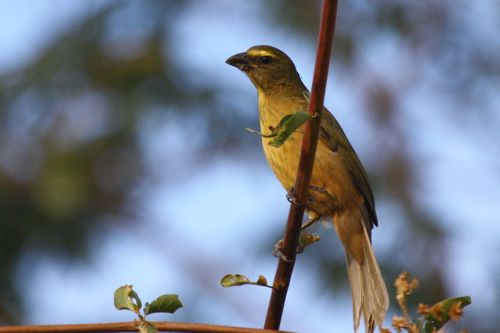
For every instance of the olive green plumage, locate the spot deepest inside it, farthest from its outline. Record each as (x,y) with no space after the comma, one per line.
(339,185)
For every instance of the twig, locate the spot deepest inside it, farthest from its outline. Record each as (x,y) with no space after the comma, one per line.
(308,151)
(132,327)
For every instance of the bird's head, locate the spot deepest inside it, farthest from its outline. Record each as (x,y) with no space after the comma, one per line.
(267,67)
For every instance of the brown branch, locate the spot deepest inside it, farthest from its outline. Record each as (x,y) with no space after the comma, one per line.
(132,327)
(308,150)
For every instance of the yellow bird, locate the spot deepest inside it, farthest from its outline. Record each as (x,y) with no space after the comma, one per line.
(339,187)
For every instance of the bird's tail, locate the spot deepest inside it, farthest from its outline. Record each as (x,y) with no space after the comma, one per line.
(369,293)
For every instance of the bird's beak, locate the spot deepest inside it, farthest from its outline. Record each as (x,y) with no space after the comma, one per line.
(239,61)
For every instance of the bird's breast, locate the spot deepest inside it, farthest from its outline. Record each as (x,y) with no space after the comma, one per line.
(331,185)
(284,159)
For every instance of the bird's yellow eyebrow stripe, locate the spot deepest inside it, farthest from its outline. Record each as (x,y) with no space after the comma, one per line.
(260,53)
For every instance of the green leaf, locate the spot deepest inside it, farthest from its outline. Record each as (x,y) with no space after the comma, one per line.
(288,125)
(126,298)
(231,280)
(168,303)
(440,313)
(146,327)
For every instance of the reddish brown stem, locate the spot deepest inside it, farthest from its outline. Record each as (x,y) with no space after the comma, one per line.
(131,327)
(308,151)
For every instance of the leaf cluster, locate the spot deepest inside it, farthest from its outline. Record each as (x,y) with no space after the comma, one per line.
(430,319)
(125,298)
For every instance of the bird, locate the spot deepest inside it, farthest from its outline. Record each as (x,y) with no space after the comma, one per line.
(339,189)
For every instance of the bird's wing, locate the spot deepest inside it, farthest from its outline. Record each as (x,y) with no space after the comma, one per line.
(332,135)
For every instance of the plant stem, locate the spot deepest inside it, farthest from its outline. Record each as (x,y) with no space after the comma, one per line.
(131,327)
(308,150)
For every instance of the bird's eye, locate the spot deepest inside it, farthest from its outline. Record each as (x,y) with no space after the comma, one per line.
(265,59)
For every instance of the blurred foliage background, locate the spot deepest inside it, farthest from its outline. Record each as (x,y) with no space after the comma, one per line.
(78,123)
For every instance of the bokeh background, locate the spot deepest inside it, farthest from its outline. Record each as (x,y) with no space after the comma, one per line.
(124,159)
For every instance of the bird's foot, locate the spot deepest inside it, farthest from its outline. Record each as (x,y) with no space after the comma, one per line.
(290,196)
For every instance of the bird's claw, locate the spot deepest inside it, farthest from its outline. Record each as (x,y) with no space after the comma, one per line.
(290,196)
